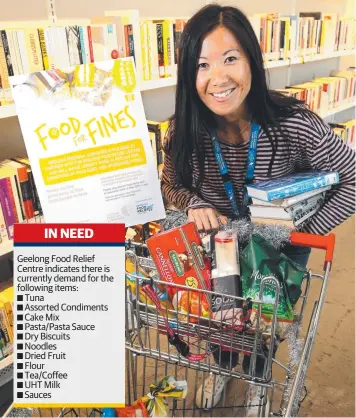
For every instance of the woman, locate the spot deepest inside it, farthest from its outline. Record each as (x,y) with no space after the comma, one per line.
(222,101)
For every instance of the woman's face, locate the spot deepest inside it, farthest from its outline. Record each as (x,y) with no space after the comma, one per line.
(224,74)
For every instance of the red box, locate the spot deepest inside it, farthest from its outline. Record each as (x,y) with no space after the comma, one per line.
(180,258)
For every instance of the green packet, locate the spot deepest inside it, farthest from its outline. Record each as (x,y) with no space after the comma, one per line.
(258,260)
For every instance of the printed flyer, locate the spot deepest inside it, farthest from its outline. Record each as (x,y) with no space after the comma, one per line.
(87,140)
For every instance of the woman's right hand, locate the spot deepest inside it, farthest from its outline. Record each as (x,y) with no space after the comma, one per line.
(206,219)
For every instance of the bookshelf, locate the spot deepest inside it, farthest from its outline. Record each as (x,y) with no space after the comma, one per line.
(6,369)
(339,109)
(158,95)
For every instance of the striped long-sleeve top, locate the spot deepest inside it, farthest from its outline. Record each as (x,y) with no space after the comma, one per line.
(307,143)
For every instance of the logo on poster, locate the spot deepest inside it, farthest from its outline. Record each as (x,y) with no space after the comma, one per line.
(126,210)
(144,208)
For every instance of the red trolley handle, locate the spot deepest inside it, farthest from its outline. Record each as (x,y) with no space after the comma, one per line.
(326,243)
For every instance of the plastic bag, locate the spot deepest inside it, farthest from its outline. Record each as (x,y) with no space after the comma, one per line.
(260,260)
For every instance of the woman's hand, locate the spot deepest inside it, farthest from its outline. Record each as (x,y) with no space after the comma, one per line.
(206,219)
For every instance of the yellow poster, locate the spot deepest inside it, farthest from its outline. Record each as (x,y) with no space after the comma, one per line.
(86,136)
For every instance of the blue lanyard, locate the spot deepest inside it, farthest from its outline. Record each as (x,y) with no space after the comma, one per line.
(224,171)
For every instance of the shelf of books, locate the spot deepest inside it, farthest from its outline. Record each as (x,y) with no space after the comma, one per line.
(6,334)
(6,369)
(153,43)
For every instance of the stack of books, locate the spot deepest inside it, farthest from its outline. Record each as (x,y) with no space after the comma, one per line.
(293,199)
(325,93)
(19,201)
(157,131)
(160,41)
(6,322)
(284,36)
(346,131)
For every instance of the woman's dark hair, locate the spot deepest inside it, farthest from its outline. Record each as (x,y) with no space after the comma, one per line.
(192,118)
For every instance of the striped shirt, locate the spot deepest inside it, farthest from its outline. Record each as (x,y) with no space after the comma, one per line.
(307,144)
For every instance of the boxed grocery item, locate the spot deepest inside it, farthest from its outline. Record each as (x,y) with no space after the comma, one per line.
(180,259)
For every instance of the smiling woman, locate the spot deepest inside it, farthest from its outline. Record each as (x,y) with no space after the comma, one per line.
(227,120)
(222,101)
(224,76)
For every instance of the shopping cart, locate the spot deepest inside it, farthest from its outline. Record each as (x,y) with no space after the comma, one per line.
(163,341)
(150,355)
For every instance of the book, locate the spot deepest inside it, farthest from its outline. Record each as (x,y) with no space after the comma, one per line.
(298,213)
(303,210)
(291,185)
(290,201)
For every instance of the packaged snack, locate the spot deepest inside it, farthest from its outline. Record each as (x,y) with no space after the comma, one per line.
(190,302)
(180,258)
(168,387)
(137,410)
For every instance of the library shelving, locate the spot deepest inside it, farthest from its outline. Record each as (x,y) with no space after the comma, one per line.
(339,109)
(6,369)
(10,110)
(6,247)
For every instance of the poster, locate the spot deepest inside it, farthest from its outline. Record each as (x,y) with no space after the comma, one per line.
(87,140)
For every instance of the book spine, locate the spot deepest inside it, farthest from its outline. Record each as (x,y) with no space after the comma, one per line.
(3,325)
(35,197)
(303,187)
(82,45)
(25,192)
(72,34)
(3,232)
(10,319)
(24,56)
(153,48)
(5,42)
(17,199)
(90,41)
(33,46)
(305,209)
(43,48)
(144,51)
(166,49)
(13,53)
(160,49)
(131,41)
(7,97)
(6,205)
(11,182)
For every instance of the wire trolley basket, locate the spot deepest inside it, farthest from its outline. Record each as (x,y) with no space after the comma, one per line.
(206,352)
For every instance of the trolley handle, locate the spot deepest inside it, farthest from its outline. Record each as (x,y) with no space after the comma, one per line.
(326,243)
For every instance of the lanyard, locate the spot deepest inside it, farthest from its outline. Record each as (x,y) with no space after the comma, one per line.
(224,171)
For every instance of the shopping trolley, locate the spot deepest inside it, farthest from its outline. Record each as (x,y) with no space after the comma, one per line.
(161,340)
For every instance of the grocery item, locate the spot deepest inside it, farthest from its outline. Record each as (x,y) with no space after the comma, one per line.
(180,258)
(226,277)
(137,410)
(259,260)
(168,387)
(226,252)
(193,303)
(131,282)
